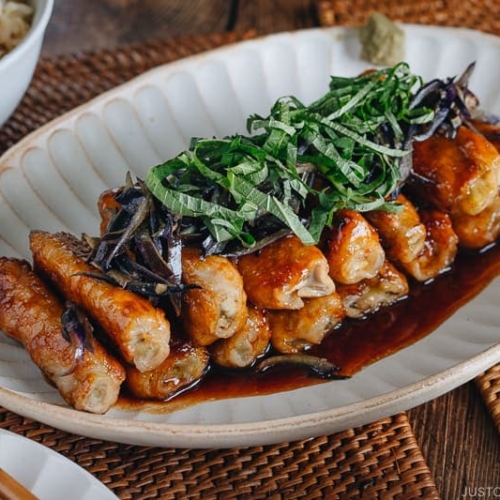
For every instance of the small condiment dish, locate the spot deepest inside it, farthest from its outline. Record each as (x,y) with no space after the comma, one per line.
(18,65)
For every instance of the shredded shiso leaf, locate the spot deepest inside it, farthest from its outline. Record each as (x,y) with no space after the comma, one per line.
(343,150)
(295,168)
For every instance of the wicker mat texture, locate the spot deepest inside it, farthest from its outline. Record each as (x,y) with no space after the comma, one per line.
(378,460)
(475,14)
(489,387)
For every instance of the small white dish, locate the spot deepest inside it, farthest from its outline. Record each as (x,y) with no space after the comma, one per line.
(51,180)
(18,65)
(46,473)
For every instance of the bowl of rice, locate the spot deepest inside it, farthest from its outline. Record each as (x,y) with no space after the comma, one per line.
(22,28)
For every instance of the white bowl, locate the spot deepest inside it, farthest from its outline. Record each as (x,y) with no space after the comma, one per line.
(18,65)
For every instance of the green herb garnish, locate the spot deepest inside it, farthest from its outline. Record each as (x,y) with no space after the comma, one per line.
(343,150)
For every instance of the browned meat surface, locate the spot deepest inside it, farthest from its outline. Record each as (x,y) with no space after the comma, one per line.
(352,248)
(368,295)
(284,273)
(402,234)
(216,308)
(185,366)
(491,131)
(459,176)
(440,247)
(247,344)
(478,231)
(140,331)
(31,314)
(108,207)
(295,331)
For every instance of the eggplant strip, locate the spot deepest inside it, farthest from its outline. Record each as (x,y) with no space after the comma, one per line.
(31,314)
(140,331)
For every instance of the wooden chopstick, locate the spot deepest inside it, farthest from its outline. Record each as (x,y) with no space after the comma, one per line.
(11,489)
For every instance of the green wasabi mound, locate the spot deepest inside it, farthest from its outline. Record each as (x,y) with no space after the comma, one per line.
(383,43)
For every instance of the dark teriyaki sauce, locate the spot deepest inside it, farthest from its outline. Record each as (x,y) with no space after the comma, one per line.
(357,343)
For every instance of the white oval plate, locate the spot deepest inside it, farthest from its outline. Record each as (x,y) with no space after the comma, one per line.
(47,474)
(52,179)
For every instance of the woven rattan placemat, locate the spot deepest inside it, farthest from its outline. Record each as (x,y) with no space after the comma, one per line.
(489,387)
(477,14)
(378,460)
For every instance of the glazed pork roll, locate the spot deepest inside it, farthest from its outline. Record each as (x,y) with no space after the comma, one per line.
(31,314)
(284,273)
(490,130)
(296,331)
(482,229)
(440,249)
(478,231)
(184,368)
(247,344)
(402,233)
(368,295)
(459,176)
(140,331)
(108,207)
(216,305)
(352,248)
